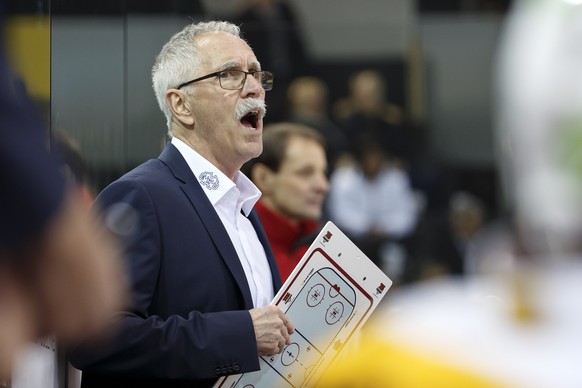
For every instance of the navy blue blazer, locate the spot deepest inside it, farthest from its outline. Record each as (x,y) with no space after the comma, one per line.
(189,319)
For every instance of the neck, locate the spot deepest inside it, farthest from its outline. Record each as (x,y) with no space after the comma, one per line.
(271,206)
(208,154)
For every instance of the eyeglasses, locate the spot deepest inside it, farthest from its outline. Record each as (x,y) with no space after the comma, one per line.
(235,79)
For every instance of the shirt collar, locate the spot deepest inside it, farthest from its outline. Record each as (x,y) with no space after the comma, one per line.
(249,193)
(215,183)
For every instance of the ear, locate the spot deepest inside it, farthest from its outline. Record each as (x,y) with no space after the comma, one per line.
(180,106)
(263,177)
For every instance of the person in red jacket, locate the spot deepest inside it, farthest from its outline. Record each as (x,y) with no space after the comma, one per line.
(292,176)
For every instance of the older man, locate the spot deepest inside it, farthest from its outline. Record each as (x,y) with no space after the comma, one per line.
(202,272)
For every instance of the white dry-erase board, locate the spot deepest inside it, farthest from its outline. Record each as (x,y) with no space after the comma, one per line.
(329,295)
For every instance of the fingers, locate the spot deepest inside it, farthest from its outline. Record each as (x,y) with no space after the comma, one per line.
(286,334)
(286,329)
(290,328)
(272,329)
(281,346)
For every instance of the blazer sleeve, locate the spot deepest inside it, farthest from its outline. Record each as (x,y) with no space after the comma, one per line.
(198,346)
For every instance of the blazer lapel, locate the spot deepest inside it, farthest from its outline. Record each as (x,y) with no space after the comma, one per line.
(174,160)
(255,220)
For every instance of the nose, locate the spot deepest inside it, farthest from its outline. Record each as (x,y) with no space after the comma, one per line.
(252,87)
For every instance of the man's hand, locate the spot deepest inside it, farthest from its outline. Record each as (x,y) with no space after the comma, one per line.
(272,329)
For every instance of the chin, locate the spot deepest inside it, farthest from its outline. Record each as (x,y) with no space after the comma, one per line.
(256,151)
(312,216)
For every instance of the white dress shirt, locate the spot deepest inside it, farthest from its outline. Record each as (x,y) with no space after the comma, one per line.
(386,204)
(233,201)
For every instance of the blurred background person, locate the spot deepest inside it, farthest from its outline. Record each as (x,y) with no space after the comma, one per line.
(368,114)
(308,98)
(42,361)
(443,242)
(291,173)
(373,202)
(59,269)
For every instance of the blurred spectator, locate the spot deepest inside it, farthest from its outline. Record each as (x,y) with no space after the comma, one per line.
(273,30)
(59,271)
(442,242)
(368,113)
(39,363)
(308,104)
(373,203)
(292,176)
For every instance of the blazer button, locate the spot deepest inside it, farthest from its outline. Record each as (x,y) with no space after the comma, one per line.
(224,370)
(235,367)
(217,371)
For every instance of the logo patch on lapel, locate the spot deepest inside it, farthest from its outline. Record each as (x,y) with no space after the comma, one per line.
(209,180)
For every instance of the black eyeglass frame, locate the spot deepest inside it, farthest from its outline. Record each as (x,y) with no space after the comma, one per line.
(217,74)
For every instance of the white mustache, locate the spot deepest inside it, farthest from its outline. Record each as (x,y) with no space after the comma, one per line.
(250,104)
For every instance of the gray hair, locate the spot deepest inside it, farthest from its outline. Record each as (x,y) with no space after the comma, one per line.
(179,57)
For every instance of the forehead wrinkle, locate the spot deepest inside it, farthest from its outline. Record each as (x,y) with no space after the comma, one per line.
(231,65)
(237,65)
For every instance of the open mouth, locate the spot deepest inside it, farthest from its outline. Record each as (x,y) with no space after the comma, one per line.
(250,120)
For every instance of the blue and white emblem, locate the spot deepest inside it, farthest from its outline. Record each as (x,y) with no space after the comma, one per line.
(209,180)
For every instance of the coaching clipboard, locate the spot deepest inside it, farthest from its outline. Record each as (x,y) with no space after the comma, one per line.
(328,297)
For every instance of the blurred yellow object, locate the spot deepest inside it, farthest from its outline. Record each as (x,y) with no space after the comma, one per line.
(379,363)
(28,42)
(453,332)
